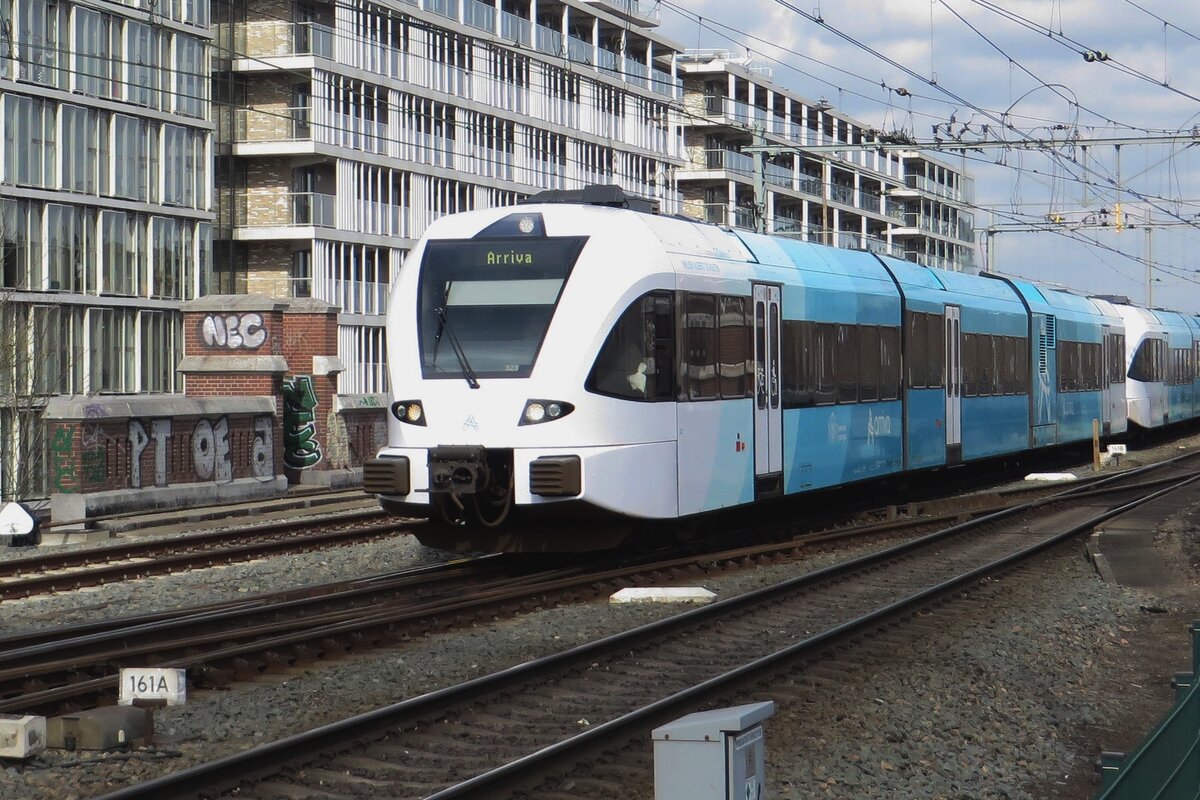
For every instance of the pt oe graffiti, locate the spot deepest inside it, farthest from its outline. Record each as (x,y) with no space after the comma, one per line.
(301,449)
(210,450)
(233,331)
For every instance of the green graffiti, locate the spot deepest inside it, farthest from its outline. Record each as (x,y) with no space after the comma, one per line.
(95,465)
(301,449)
(62,442)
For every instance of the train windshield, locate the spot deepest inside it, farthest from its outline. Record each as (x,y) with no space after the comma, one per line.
(484,305)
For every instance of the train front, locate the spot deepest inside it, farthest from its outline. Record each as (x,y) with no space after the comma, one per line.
(501,429)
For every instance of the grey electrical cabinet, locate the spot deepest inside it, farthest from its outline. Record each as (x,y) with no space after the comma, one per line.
(712,755)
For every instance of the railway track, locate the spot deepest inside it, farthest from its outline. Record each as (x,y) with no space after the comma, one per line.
(63,669)
(127,560)
(481,738)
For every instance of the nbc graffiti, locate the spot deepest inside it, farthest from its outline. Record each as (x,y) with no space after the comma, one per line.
(301,449)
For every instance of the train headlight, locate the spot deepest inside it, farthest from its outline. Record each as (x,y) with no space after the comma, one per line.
(410,411)
(544,411)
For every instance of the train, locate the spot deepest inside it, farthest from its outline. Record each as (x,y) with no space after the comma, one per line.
(579,366)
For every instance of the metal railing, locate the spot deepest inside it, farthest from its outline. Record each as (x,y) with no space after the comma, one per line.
(272,124)
(722,214)
(730,160)
(479,15)
(842,194)
(514,28)
(259,209)
(633,8)
(1166,766)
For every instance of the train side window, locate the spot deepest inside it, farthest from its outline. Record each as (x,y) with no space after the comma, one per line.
(822,381)
(1008,365)
(699,368)
(845,364)
(970,364)
(1143,368)
(796,370)
(868,363)
(987,364)
(636,361)
(1023,366)
(1073,371)
(917,354)
(734,354)
(937,351)
(889,362)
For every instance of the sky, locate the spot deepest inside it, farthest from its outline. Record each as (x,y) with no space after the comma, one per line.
(1028,69)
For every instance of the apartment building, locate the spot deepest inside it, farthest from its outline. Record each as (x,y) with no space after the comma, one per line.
(906,204)
(359,122)
(104,203)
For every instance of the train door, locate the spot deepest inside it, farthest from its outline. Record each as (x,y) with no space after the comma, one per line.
(768,410)
(953,320)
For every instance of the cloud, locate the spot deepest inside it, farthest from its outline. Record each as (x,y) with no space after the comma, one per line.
(1063,89)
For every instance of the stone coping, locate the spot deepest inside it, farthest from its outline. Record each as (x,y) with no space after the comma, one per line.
(199,364)
(72,407)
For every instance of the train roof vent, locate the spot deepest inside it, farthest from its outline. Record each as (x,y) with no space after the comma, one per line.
(595,195)
(1115,299)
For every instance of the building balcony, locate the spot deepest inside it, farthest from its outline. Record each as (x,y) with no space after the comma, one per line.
(840,193)
(263,42)
(270,38)
(278,124)
(645,14)
(729,161)
(963,193)
(264,208)
(722,214)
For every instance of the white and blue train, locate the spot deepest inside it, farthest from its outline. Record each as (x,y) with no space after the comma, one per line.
(576,358)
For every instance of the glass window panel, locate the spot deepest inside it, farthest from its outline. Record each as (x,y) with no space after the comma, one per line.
(889,363)
(735,355)
(846,364)
(918,350)
(699,346)
(868,363)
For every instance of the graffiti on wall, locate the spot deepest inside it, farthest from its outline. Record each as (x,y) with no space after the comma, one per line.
(301,449)
(211,456)
(234,331)
(93,460)
(62,441)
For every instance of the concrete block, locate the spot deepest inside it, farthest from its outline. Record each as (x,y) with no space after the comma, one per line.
(1050,476)
(21,736)
(668,594)
(106,728)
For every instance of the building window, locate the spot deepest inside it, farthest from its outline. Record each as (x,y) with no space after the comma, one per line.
(29,141)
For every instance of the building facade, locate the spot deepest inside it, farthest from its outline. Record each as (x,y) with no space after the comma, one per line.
(105,197)
(355,124)
(901,203)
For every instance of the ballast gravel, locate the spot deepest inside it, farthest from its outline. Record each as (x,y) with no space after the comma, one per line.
(1011,695)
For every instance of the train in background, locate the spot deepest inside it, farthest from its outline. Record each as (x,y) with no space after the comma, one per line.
(581,359)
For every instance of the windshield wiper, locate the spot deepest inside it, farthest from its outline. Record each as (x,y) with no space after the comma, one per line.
(455,345)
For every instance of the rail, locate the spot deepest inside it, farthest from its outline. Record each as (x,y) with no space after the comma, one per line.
(619,665)
(1166,766)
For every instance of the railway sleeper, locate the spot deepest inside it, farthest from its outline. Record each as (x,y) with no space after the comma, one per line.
(212,676)
(276,662)
(246,668)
